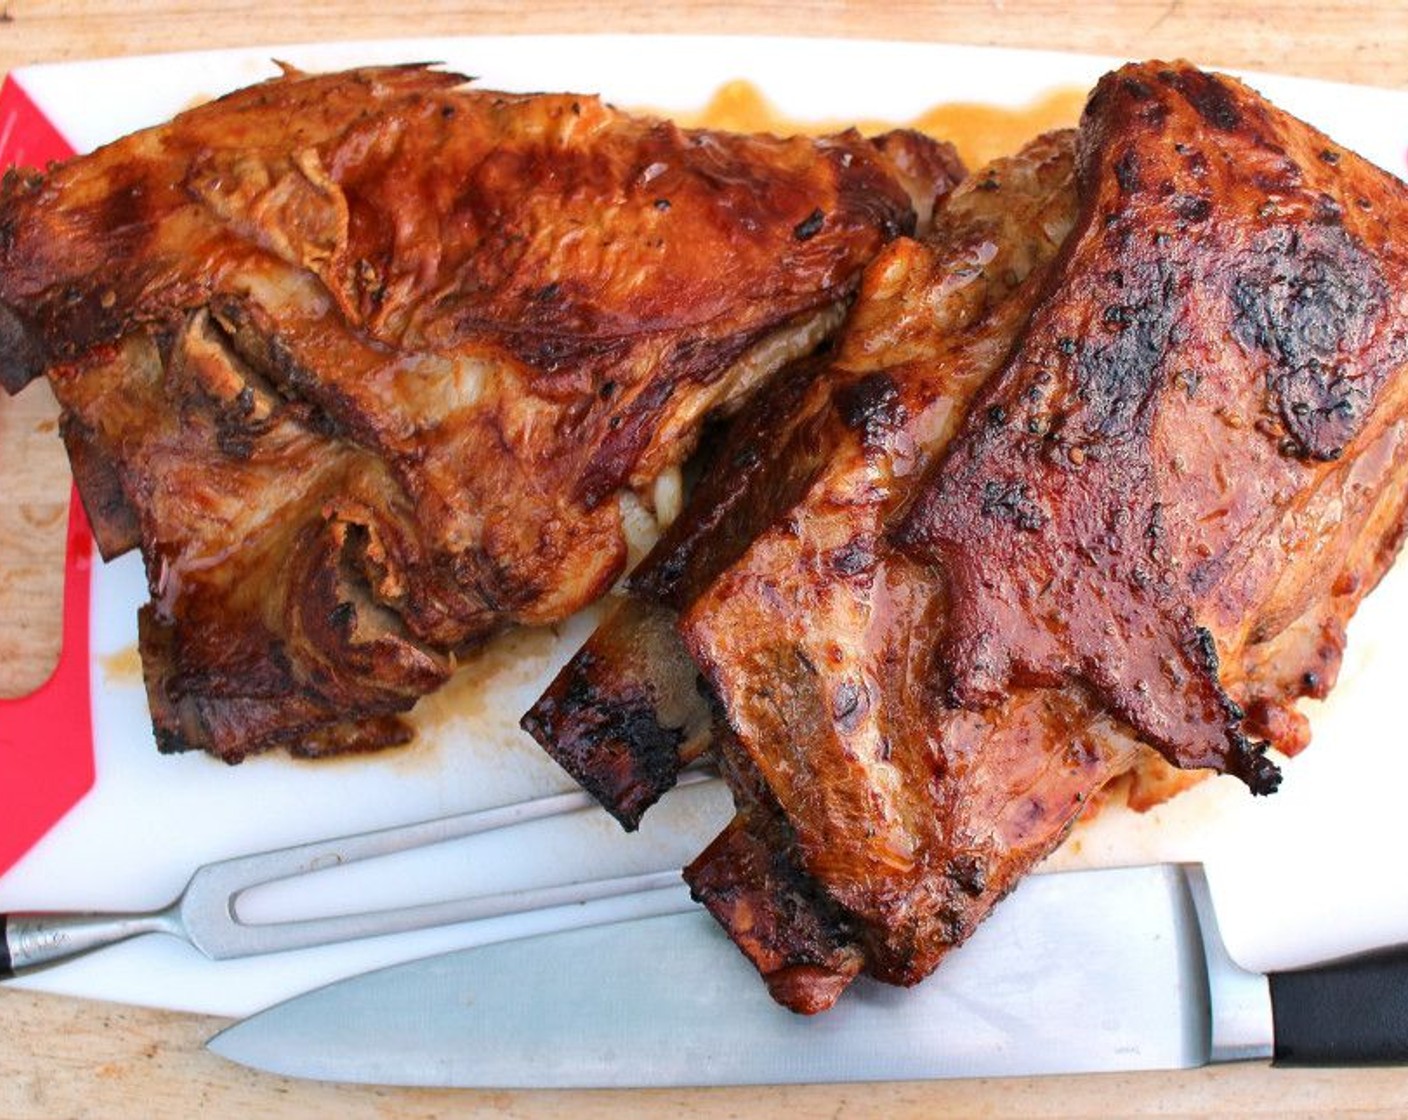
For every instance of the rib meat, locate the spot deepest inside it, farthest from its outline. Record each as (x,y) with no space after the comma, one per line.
(369,364)
(1100,467)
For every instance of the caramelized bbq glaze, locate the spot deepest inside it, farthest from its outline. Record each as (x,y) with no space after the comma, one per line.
(1099,467)
(367,364)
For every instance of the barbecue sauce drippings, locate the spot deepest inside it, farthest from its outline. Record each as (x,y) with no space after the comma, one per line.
(980,132)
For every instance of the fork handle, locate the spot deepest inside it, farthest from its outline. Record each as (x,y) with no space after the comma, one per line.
(30,941)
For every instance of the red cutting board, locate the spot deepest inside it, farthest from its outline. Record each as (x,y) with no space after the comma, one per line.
(46,738)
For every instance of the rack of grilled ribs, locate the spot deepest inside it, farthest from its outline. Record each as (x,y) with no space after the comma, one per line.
(1099,467)
(368,364)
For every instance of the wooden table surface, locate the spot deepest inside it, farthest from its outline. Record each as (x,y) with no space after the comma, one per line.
(65,1057)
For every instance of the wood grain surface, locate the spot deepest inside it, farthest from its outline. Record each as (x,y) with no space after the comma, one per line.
(62,1057)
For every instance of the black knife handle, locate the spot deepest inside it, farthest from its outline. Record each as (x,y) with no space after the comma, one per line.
(1351,1012)
(7,968)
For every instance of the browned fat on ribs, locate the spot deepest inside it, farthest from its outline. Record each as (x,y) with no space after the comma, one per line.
(1100,467)
(368,364)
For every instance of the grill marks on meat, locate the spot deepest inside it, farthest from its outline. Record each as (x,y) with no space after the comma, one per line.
(1106,463)
(629,711)
(815,637)
(1179,248)
(625,716)
(364,362)
(818,643)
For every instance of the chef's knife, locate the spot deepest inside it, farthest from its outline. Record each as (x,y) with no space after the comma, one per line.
(1085,971)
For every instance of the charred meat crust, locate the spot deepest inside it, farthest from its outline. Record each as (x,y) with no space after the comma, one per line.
(1124,498)
(96,476)
(764,461)
(817,638)
(797,943)
(601,719)
(803,945)
(22,357)
(1175,249)
(604,718)
(472,318)
(625,716)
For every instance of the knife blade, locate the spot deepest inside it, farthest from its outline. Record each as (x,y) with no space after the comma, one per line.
(1077,972)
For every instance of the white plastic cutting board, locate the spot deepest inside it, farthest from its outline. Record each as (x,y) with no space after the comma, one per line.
(1309,873)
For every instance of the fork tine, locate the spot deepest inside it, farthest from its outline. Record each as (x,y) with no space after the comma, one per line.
(207,906)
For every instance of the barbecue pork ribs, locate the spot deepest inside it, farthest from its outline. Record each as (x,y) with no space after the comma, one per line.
(1099,467)
(368,364)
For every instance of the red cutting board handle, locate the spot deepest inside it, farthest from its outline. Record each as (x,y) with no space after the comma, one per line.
(46,738)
